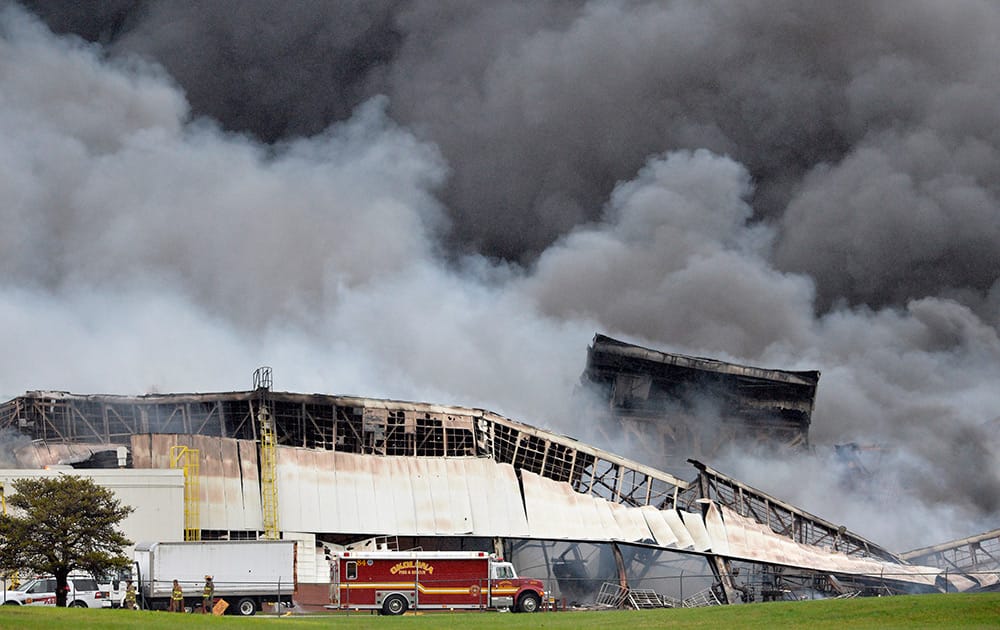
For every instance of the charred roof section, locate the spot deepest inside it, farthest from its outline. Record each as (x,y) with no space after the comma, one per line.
(976,558)
(450,471)
(690,406)
(345,424)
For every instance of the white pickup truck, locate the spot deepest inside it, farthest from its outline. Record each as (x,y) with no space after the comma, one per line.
(113,584)
(41,591)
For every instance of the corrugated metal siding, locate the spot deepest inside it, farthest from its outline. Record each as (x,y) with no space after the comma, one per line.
(458,490)
(249,480)
(229,458)
(219,478)
(556,511)
(309,499)
(506,492)
(385,499)
(673,519)
(366,468)
(750,540)
(227,476)
(444,506)
(696,528)
(482,505)
(399,474)
(212,481)
(658,525)
(607,518)
(587,511)
(364,490)
(328,494)
(289,495)
(638,526)
(716,530)
(542,514)
(423,502)
(327,491)
(631,530)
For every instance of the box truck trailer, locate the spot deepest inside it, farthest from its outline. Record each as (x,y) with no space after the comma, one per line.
(247,573)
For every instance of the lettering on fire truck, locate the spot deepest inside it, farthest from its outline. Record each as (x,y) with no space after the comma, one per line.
(411,568)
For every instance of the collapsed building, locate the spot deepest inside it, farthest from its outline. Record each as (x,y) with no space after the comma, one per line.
(336,470)
(664,408)
(976,556)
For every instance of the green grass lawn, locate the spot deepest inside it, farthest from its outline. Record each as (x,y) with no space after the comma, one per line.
(921,611)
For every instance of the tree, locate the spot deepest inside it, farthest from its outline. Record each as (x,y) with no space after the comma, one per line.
(57,525)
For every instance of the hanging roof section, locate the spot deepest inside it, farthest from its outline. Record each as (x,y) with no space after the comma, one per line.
(748,388)
(608,352)
(644,383)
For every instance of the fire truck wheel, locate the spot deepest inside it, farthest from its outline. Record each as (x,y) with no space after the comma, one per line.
(528,603)
(394,605)
(246,607)
(78,604)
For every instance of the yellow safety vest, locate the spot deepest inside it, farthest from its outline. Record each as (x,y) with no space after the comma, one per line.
(177,594)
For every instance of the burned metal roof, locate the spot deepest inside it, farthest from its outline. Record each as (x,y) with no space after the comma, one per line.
(669,407)
(368,466)
(977,557)
(658,377)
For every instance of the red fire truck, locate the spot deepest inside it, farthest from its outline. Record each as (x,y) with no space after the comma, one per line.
(394,581)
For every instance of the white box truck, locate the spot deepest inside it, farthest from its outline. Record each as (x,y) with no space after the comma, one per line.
(247,573)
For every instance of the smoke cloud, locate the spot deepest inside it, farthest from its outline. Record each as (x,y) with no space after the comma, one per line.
(444,202)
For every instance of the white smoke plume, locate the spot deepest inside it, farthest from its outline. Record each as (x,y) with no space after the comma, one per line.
(444,202)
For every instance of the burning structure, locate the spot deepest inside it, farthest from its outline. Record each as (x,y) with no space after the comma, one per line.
(328,469)
(744,218)
(669,407)
(977,556)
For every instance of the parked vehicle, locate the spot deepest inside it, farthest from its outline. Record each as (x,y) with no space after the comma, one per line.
(113,583)
(395,581)
(246,573)
(41,591)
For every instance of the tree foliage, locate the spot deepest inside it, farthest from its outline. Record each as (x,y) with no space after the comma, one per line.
(57,525)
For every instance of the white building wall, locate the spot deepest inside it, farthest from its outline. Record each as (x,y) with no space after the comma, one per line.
(328,491)
(156,494)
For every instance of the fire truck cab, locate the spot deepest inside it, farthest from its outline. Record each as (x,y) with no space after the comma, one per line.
(393,582)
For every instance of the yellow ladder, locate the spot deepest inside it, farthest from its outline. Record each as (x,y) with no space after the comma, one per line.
(187,459)
(268,474)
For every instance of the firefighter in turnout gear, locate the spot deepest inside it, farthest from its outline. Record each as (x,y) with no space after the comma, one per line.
(177,598)
(130,595)
(207,595)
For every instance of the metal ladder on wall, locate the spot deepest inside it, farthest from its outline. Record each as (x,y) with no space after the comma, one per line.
(187,460)
(268,455)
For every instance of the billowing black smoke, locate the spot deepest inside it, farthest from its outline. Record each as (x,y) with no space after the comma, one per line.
(445,201)
(869,131)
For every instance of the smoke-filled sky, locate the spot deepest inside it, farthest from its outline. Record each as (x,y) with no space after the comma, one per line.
(444,201)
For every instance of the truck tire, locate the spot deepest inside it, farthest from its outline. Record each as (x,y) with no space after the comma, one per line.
(246,607)
(78,604)
(12,603)
(394,605)
(528,603)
